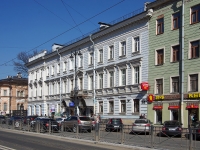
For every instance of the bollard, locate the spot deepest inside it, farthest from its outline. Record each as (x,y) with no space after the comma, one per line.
(122,134)
(13,124)
(152,137)
(49,127)
(190,136)
(28,125)
(62,127)
(96,132)
(77,130)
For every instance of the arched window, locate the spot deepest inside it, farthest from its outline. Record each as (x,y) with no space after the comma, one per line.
(5,107)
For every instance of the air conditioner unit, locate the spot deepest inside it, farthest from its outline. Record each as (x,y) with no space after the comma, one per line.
(150,12)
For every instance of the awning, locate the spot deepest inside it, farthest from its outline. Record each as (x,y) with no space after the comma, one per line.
(157,107)
(174,107)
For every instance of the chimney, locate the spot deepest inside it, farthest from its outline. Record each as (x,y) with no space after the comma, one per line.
(19,75)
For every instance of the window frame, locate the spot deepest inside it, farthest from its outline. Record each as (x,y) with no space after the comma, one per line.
(122,81)
(192,49)
(111,110)
(189,82)
(160,26)
(197,14)
(177,19)
(101,56)
(157,55)
(136,105)
(123,48)
(111,81)
(101,107)
(171,83)
(100,80)
(136,74)
(136,46)
(123,106)
(156,89)
(111,52)
(175,53)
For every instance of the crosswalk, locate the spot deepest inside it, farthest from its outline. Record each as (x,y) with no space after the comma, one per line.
(5,148)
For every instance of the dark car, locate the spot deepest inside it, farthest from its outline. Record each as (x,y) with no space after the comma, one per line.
(28,119)
(45,124)
(2,119)
(114,124)
(172,128)
(195,129)
(14,119)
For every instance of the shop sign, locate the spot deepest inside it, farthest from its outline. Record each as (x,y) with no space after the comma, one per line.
(144,86)
(52,108)
(159,97)
(71,104)
(192,105)
(158,106)
(150,98)
(194,95)
(173,106)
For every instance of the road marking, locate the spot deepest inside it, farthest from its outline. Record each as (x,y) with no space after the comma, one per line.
(5,148)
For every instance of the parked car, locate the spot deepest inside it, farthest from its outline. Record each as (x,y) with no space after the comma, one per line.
(84,123)
(36,119)
(28,119)
(44,124)
(114,124)
(2,119)
(172,127)
(141,125)
(60,120)
(13,119)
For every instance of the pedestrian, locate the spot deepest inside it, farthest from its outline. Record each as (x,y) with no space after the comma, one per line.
(140,116)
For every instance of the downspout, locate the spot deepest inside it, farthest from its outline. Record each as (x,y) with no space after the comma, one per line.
(94,101)
(60,80)
(182,63)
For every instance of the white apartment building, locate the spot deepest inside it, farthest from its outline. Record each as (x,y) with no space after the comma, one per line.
(113,63)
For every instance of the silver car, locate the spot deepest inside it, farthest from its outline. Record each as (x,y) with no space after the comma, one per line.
(141,125)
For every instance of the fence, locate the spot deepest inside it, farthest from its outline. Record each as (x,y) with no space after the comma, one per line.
(151,137)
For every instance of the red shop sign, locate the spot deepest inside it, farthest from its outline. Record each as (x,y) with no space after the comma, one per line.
(157,107)
(150,98)
(144,86)
(174,107)
(192,106)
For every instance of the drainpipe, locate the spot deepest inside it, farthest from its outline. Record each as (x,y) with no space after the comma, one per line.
(94,101)
(182,63)
(60,79)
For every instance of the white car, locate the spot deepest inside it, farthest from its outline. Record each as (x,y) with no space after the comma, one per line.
(141,125)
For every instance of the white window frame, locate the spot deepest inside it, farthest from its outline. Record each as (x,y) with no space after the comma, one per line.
(134,75)
(198,73)
(123,48)
(111,79)
(156,56)
(121,76)
(91,82)
(100,106)
(47,71)
(52,70)
(71,60)
(137,100)
(100,80)
(155,85)
(64,66)
(122,102)
(100,56)
(136,42)
(58,68)
(80,61)
(91,59)
(109,108)
(111,49)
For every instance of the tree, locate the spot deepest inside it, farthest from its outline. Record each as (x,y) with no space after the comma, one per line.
(20,63)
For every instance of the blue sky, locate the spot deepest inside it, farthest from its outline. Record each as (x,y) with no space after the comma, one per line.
(28,25)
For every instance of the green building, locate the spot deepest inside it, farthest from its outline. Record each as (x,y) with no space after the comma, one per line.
(171,98)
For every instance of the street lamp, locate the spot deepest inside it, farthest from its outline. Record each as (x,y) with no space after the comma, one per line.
(21,110)
(76,101)
(10,88)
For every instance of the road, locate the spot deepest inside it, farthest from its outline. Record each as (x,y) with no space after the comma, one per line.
(17,140)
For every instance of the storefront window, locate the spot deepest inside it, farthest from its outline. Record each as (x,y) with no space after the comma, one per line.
(159,116)
(174,114)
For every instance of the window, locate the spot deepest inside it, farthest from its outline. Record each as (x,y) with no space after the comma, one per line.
(90,58)
(47,71)
(111,79)
(5,107)
(160,57)
(72,85)
(195,14)
(80,61)
(137,44)
(111,106)
(160,26)
(64,66)
(71,63)
(91,82)
(136,106)
(81,83)
(100,107)
(52,70)
(100,55)
(111,52)
(65,87)
(159,86)
(58,68)
(194,49)
(194,82)
(5,93)
(175,55)
(20,93)
(123,48)
(159,116)
(175,84)
(176,21)
(123,106)
(100,81)
(123,77)
(174,114)
(137,75)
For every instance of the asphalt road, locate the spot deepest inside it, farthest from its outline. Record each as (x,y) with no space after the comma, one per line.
(14,140)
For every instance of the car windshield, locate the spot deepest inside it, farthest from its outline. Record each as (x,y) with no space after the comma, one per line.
(84,118)
(171,123)
(116,121)
(141,121)
(59,119)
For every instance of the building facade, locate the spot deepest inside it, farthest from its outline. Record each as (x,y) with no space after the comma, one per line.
(173,61)
(106,69)
(14,94)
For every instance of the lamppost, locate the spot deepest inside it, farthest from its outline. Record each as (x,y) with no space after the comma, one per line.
(76,101)
(10,88)
(21,110)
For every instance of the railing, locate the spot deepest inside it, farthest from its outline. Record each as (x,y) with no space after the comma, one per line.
(148,137)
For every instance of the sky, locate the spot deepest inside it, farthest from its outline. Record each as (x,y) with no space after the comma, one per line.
(28,25)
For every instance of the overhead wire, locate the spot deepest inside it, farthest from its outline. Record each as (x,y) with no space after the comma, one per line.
(66,31)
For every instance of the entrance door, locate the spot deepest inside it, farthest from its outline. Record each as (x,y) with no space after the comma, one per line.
(193,115)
